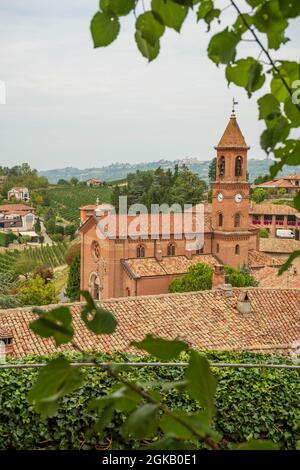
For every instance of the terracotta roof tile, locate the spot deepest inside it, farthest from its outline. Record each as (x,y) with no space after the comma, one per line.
(232,136)
(144,267)
(257,259)
(268,277)
(278,245)
(206,320)
(276,209)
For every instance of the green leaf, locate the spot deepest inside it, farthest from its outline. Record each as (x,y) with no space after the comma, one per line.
(246,73)
(55,380)
(161,348)
(290,8)
(97,319)
(146,49)
(150,28)
(123,399)
(268,19)
(222,47)
(118,7)
(201,382)
(292,112)
(198,421)
(288,155)
(289,72)
(142,423)
(56,323)
(288,262)
(105,28)
(171,14)
(106,417)
(269,107)
(278,133)
(257,445)
(207,12)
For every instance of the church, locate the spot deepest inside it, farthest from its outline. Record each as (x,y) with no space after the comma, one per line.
(122,267)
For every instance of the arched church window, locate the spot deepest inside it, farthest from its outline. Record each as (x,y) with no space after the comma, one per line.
(95,289)
(171,249)
(222,166)
(238,166)
(140,251)
(237,219)
(220,219)
(218,248)
(237,249)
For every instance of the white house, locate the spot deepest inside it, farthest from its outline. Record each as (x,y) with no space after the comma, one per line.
(19,193)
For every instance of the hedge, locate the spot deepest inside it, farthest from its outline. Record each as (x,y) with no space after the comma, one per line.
(259,403)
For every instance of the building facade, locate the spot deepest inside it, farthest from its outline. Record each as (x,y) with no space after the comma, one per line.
(123,266)
(19,194)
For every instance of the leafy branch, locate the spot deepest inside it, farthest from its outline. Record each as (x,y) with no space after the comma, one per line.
(145,410)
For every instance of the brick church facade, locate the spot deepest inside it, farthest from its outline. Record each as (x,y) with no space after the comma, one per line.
(120,267)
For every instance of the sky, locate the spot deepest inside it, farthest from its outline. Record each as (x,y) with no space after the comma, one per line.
(68,104)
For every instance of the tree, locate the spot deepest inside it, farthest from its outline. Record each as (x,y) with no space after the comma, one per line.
(263,233)
(188,189)
(62,182)
(264,23)
(37,225)
(261,179)
(72,251)
(70,230)
(74,181)
(45,272)
(239,277)
(259,195)
(212,170)
(73,284)
(198,277)
(37,292)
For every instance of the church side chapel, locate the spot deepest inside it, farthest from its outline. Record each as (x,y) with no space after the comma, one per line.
(118,267)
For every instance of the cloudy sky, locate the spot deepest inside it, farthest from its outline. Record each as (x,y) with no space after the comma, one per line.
(71,105)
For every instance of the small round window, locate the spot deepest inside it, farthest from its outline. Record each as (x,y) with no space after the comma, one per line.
(95,250)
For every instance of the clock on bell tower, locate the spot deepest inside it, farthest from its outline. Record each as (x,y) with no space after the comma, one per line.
(230,198)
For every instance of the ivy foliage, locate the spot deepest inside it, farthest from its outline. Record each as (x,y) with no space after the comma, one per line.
(264,22)
(145,412)
(251,404)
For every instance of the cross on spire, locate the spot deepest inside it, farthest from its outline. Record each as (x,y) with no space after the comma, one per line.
(234,103)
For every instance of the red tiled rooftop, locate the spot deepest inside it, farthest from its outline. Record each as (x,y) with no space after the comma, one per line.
(205,320)
(144,267)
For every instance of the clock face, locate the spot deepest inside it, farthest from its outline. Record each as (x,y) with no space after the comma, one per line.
(238,198)
(220,197)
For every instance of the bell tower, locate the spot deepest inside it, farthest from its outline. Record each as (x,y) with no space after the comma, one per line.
(230,197)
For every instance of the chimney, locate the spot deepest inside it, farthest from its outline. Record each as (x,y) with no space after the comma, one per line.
(218,278)
(243,303)
(158,252)
(6,343)
(188,252)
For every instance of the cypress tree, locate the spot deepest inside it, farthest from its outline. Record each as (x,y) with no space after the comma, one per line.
(73,284)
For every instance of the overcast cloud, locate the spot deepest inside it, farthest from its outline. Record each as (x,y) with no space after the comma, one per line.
(71,105)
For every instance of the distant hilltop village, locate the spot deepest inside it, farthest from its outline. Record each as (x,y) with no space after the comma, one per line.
(117,171)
